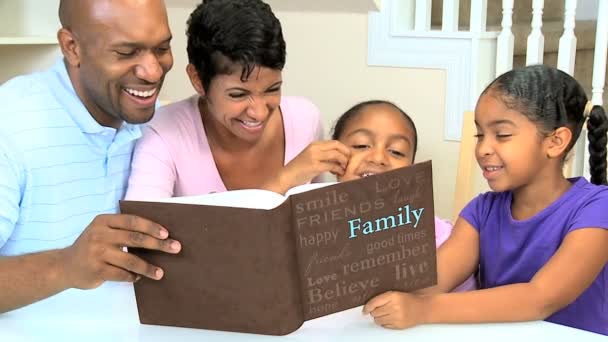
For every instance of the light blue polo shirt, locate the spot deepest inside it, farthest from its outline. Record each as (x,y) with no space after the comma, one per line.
(58,167)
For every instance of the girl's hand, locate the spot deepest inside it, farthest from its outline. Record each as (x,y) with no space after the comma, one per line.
(320,156)
(396,310)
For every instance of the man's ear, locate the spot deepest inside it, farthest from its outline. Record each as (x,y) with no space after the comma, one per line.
(558,141)
(69,47)
(196,81)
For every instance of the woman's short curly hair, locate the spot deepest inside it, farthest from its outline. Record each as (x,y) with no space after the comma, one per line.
(228,34)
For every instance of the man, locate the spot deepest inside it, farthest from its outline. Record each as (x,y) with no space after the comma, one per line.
(66,137)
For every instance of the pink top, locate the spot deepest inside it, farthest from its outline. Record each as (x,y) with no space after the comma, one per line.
(173,157)
(443,229)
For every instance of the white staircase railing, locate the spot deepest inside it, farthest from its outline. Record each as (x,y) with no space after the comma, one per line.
(423,15)
(566,54)
(567,43)
(506,40)
(479,12)
(599,58)
(449,18)
(398,38)
(536,40)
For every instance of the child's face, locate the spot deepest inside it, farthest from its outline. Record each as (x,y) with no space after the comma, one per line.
(509,149)
(380,140)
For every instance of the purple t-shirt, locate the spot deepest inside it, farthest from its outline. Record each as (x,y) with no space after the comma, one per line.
(512,251)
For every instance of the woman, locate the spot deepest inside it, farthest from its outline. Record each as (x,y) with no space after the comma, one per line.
(237,132)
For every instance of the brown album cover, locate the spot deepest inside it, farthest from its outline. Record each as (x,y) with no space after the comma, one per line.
(314,253)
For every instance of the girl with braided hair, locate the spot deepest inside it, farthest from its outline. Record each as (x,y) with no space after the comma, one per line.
(539,240)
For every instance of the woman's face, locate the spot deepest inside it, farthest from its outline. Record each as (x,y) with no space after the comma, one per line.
(380,140)
(243,109)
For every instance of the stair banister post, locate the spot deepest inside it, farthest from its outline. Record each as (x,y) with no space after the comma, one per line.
(536,40)
(422,21)
(566,54)
(599,57)
(479,12)
(504,45)
(449,21)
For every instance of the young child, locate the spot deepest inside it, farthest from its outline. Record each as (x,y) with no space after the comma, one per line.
(382,137)
(540,240)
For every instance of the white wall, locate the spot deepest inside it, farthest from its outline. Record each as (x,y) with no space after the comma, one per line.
(327,62)
(29,18)
(587,10)
(24,59)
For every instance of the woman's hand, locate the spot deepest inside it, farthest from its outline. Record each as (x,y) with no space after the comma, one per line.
(320,156)
(396,310)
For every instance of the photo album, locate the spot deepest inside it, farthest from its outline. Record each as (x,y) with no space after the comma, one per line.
(255,261)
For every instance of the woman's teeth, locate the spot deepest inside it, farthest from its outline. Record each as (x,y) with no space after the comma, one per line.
(251,123)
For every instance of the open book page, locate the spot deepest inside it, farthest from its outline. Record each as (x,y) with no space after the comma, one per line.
(307,187)
(358,239)
(248,198)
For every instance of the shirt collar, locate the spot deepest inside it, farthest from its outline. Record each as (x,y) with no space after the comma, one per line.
(66,95)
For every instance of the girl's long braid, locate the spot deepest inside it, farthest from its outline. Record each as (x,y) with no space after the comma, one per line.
(597,128)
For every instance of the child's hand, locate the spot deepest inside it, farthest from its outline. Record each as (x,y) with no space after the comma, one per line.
(318,157)
(396,310)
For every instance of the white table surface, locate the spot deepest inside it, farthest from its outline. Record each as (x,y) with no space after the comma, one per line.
(109,313)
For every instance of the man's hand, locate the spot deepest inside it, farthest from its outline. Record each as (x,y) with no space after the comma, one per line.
(396,310)
(98,255)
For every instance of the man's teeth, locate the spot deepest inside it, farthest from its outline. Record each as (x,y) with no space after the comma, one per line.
(492,168)
(138,93)
(367,174)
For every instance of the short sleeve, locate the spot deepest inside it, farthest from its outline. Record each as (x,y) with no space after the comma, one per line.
(476,212)
(302,121)
(592,213)
(11,185)
(153,172)
(305,119)
(443,229)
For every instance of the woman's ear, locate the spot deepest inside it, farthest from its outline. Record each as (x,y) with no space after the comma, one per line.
(558,141)
(195,80)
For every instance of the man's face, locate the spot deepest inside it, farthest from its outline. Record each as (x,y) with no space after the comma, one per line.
(125,54)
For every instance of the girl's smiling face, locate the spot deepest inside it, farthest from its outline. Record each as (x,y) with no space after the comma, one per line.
(380,139)
(510,149)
